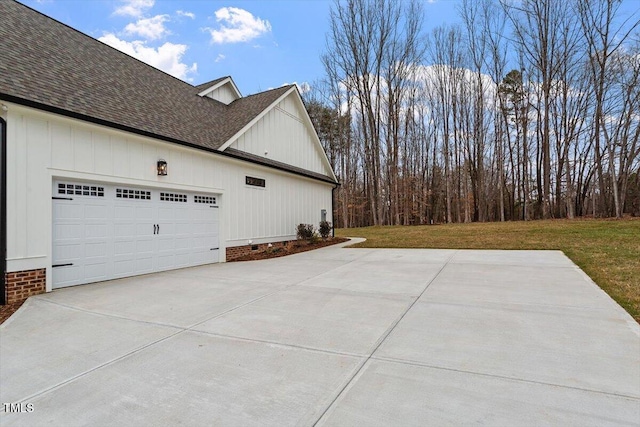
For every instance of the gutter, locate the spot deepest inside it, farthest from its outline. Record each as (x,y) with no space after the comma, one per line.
(333,216)
(3,211)
(106,123)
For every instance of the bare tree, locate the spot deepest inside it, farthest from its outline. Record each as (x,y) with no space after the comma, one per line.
(441,130)
(372,45)
(538,26)
(604,38)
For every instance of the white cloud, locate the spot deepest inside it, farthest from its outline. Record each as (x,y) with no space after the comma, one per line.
(167,57)
(219,58)
(149,28)
(237,25)
(303,87)
(186,14)
(134,7)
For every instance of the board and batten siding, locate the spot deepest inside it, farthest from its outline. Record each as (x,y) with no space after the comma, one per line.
(43,147)
(224,94)
(285,136)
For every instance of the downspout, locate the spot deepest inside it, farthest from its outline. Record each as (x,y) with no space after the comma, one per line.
(3,211)
(333,212)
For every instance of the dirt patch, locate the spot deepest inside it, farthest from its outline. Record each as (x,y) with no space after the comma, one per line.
(290,249)
(7,310)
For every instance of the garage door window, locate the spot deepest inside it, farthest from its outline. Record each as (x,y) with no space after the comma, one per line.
(173,197)
(81,190)
(204,199)
(129,193)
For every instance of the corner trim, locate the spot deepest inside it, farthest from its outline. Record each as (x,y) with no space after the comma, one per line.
(3,211)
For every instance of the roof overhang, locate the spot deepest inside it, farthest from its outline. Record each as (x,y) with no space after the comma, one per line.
(112,125)
(225,81)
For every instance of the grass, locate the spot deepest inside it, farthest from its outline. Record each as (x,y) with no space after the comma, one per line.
(607,250)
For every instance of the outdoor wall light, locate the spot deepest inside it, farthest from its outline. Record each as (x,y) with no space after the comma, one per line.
(162,168)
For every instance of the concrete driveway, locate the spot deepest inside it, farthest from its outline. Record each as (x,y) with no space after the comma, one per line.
(331,337)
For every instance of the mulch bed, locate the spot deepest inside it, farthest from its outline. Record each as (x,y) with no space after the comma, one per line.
(290,249)
(7,310)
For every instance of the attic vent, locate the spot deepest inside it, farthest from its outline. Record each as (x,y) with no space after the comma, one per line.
(81,190)
(256,182)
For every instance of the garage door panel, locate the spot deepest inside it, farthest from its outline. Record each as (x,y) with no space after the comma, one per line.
(93,231)
(123,267)
(215,228)
(124,230)
(184,229)
(96,212)
(200,241)
(205,257)
(124,212)
(129,231)
(143,229)
(165,214)
(183,244)
(165,243)
(96,272)
(144,208)
(95,249)
(68,252)
(124,247)
(182,214)
(183,259)
(70,275)
(166,262)
(68,231)
(166,229)
(144,265)
(134,264)
(73,211)
(144,246)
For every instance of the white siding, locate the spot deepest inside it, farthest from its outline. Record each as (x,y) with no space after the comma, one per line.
(42,146)
(284,134)
(224,94)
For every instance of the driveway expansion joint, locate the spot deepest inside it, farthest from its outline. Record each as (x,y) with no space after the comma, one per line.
(383,337)
(281,344)
(503,377)
(95,368)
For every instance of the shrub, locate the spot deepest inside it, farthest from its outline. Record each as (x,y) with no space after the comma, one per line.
(324,229)
(305,231)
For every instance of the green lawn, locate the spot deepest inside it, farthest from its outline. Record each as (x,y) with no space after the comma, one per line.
(607,250)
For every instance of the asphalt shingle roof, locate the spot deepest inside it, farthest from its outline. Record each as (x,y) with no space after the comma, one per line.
(51,65)
(205,85)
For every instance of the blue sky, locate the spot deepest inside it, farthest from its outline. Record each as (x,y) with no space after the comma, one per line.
(261,44)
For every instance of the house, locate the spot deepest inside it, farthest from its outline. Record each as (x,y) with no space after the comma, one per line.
(111,168)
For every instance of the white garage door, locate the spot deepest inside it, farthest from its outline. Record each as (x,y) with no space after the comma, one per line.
(103,232)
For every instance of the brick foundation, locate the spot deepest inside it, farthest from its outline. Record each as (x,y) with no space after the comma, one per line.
(20,285)
(238,251)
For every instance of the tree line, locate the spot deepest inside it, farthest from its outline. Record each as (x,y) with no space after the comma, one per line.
(528,109)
